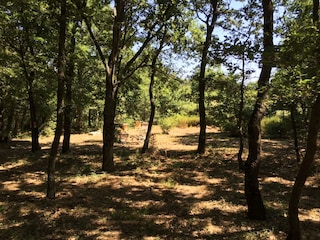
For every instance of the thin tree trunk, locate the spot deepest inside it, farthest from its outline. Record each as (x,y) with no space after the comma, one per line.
(51,186)
(294,223)
(35,146)
(152,103)
(33,116)
(240,117)
(68,114)
(1,122)
(256,208)
(210,24)
(295,132)
(152,108)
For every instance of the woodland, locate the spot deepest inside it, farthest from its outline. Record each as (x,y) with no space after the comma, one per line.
(168,119)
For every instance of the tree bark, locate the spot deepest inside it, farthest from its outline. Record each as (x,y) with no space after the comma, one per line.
(256,208)
(33,115)
(1,122)
(109,128)
(240,116)
(111,89)
(314,123)
(152,103)
(210,24)
(152,107)
(51,186)
(68,114)
(30,77)
(295,132)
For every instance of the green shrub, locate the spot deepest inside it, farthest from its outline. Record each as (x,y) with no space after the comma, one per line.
(276,127)
(181,121)
(166,124)
(186,121)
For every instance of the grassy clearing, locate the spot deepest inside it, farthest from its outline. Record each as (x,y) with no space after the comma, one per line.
(169,193)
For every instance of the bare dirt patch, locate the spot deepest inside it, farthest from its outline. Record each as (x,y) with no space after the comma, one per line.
(169,193)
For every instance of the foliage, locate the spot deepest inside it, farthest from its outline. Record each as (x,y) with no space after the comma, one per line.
(178,120)
(276,127)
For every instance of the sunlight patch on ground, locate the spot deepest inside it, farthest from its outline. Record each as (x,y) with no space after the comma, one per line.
(11,185)
(310,214)
(313,182)
(196,192)
(277,180)
(208,229)
(11,165)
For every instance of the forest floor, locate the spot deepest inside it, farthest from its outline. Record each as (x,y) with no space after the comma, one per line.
(169,193)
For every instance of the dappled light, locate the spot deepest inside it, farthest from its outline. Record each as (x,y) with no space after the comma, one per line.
(167,193)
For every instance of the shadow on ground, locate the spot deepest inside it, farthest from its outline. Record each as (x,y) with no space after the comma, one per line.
(159,195)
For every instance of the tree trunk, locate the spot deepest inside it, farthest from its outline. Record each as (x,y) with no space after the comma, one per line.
(314,123)
(35,146)
(33,116)
(152,108)
(294,232)
(295,132)
(256,208)
(68,98)
(109,126)
(51,186)
(240,116)
(210,24)
(152,103)
(111,82)
(1,122)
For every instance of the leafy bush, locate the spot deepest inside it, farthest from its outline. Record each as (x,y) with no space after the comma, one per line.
(187,121)
(166,124)
(181,121)
(276,127)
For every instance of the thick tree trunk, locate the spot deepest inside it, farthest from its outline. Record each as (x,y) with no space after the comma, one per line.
(51,186)
(210,24)
(256,208)
(68,114)
(112,83)
(295,132)
(314,123)
(109,127)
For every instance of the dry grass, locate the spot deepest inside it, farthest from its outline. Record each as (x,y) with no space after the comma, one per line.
(168,193)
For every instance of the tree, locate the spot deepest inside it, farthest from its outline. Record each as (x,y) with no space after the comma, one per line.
(207,12)
(26,28)
(304,170)
(129,21)
(256,208)
(68,96)
(243,43)
(151,96)
(51,188)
